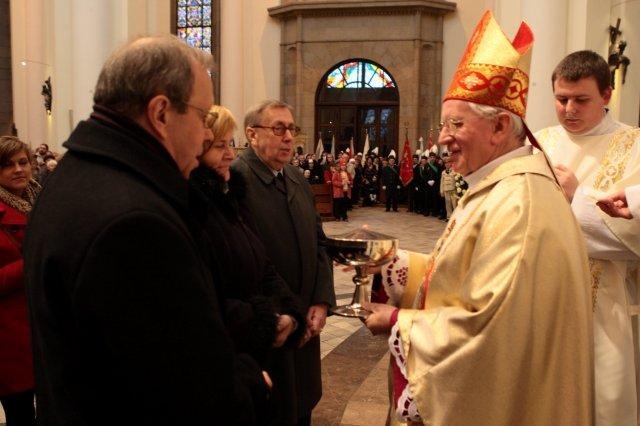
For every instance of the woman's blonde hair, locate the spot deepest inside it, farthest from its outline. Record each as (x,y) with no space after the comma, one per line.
(221,121)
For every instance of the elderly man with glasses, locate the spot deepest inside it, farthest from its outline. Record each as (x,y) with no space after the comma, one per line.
(282,204)
(493,327)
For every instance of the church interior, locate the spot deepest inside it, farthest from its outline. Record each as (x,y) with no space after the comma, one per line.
(353,70)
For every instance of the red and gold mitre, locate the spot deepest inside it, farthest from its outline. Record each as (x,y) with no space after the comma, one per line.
(494,71)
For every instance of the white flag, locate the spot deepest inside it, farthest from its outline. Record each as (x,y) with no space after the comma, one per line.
(319,149)
(365,151)
(333,147)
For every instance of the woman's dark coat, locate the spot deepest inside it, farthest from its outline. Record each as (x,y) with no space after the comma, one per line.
(250,289)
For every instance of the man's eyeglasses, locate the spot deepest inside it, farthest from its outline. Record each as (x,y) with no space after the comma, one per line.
(208,117)
(451,124)
(280,130)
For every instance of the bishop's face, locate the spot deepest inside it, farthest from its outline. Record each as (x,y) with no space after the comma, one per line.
(467,137)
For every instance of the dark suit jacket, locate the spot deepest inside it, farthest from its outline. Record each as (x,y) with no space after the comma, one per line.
(291,231)
(126,323)
(390,178)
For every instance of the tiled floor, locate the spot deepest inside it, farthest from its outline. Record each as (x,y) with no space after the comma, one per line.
(354,363)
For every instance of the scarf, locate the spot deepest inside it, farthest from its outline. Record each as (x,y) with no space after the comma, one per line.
(25,203)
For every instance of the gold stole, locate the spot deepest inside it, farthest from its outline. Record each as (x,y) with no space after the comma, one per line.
(609,173)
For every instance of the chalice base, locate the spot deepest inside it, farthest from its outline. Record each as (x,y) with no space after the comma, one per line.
(352,311)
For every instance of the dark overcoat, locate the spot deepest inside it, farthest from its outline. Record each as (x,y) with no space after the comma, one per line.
(291,230)
(390,177)
(126,323)
(250,290)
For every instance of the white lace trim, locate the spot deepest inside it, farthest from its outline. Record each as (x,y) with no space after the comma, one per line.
(395,275)
(396,350)
(406,409)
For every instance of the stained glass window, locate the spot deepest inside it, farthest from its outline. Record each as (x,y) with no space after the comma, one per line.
(359,74)
(194,23)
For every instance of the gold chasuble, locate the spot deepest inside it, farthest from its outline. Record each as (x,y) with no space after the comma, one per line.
(505,334)
(495,329)
(604,160)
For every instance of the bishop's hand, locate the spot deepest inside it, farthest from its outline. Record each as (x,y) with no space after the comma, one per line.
(379,320)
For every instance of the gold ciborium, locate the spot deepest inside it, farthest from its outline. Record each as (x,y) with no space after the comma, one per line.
(362,249)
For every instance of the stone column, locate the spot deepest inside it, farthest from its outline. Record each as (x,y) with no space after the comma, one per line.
(92,38)
(548,20)
(6,102)
(30,69)
(417,72)
(299,85)
(232,75)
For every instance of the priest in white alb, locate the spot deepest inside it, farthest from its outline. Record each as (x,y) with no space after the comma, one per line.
(595,156)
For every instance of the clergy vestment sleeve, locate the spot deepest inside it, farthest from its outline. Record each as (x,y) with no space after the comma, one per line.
(601,242)
(405,271)
(633,199)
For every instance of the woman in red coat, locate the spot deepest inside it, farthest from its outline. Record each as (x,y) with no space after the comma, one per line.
(342,183)
(17,194)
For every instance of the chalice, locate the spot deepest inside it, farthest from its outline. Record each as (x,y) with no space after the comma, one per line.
(362,249)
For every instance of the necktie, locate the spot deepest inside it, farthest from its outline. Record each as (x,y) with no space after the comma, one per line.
(280,183)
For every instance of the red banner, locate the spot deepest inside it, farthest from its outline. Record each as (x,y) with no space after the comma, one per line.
(406,164)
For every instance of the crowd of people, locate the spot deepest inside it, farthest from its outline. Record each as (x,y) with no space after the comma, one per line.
(155,278)
(45,162)
(432,190)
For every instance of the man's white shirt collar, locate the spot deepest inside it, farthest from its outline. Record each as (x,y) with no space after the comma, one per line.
(472,179)
(607,125)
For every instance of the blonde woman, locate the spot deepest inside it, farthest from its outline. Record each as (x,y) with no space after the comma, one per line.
(259,310)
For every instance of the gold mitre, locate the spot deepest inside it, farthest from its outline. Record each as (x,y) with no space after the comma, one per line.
(494,71)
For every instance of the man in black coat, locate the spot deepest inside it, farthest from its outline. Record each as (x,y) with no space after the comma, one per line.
(282,204)
(432,187)
(390,181)
(125,317)
(413,199)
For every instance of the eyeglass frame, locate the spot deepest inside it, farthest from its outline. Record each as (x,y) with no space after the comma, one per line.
(205,114)
(294,130)
(451,124)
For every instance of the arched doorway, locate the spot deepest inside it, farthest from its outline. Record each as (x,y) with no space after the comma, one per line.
(354,97)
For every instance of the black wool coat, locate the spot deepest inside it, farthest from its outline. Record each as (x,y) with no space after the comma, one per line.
(390,177)
(126,322)
(291,230)
(251,291)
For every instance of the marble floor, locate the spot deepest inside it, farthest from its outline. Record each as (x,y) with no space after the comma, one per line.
(354,363)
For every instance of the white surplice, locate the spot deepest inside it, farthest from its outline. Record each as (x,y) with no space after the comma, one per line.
(606,159)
